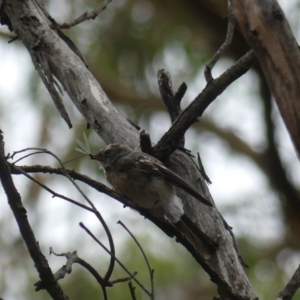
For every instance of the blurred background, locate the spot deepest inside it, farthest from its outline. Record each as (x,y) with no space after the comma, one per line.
(243,143)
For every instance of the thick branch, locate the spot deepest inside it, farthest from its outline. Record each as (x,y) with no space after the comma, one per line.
(266,29)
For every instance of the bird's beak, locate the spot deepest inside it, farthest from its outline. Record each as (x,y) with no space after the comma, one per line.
(98,156)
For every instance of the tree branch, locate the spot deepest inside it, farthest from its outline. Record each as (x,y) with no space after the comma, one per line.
(213,89)
(223,266)
(291,288)
(14,200)
(224,46)
(87,15)
(267,31)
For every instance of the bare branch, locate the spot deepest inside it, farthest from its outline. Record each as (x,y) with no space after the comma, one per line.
(165,226)
(86,16)
(16,169)
(67,268)
(115,258)
(151,271)
(89,98)
(15,202)
(124,279)
(171,100)
(96,212)
(291,288)
(100,187)
(224,46)
(132,291)
(213,89)
(264,26)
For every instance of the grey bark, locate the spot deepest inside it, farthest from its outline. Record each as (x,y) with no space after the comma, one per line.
(264,26)
(45,45)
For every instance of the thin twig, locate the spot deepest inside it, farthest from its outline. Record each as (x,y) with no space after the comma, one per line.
(202,170)
(14,38)
(72,258)
(132,290)
(92,270)
(124,279)
(100,187)
(224,46)
(114,257)
(151,271)
(291,288)
(103,283)
(25,156)
(137,127)
(87,15)
(26,231)
(56,27)
(96,212)
(54,194)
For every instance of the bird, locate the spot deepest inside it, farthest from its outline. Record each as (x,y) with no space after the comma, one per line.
(147,182)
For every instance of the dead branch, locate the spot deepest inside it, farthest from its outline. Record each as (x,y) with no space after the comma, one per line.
(48,281)
(264,26)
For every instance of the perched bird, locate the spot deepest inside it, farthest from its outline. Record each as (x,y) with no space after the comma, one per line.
(145,180)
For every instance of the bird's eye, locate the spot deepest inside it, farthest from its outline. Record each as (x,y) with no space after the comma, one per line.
(107,151)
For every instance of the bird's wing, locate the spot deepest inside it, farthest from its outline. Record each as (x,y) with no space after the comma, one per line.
(150,165)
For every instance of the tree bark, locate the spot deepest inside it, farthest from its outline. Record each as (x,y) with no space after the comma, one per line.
(48,50)
(267,31)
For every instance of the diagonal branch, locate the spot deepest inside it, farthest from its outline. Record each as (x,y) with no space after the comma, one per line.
(96,212)
(15,202)
(151,271)
(87,15)
(291,288)
(224,46)
(116,259)
(265,28)
(223,266)
(213,89)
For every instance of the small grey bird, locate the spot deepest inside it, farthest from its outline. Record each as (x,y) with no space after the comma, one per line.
(148,183)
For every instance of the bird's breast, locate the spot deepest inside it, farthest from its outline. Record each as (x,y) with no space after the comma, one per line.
(144,191)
